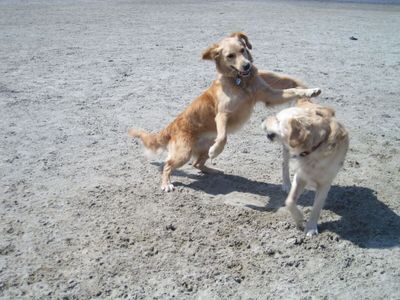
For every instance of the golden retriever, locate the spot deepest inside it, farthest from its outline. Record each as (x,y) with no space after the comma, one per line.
(318,143)
(201,130)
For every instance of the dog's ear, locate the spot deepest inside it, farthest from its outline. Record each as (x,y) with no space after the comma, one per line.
(242,37)
(298,134)
(211,53)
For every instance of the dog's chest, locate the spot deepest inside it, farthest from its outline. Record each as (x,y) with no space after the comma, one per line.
(318,170)
(238,104)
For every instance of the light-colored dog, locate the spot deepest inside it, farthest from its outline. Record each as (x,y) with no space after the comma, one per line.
(201,130)
(318,143)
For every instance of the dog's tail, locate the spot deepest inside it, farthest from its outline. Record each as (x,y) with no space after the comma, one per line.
(152,141)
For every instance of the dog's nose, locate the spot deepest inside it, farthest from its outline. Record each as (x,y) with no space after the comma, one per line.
(246,67)
(271,136)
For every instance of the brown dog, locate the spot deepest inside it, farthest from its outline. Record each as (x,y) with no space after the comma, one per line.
(201,130)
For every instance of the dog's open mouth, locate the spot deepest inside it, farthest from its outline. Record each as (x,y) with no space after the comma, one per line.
(242,73)
(245,73)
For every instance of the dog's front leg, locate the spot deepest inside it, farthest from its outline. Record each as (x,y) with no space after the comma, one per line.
(285,170)
(291,200)
(268,95)
(319,201)
(221,120)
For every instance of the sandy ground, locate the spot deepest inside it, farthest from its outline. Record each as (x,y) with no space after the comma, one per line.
(81,212)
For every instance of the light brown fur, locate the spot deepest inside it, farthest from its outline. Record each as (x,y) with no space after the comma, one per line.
(310,134)
(201,130)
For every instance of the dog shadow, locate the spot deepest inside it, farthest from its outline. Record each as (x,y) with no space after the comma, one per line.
(224,184)
(364,219)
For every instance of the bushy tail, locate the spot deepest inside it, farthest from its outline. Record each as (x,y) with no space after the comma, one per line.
(152,141)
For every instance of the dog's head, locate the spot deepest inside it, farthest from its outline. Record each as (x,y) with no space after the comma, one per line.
(231,55)
(299,130)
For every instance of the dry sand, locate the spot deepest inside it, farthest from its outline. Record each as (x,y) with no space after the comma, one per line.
(81,212)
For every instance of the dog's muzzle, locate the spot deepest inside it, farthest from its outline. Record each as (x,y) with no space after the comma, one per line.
(245,72)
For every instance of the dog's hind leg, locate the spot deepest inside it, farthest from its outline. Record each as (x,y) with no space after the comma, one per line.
(200,164)
(179,154)
(319,201)
(291,200)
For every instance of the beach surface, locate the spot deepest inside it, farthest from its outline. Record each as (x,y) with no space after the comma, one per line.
(82,215)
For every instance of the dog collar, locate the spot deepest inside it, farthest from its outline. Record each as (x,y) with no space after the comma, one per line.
(306,153)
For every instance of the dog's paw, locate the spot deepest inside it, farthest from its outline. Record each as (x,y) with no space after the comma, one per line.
(310,232)
(169,187)
(313,92)
(211,153)
(215,150)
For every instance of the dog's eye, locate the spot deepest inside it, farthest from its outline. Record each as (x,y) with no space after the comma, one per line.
(231,56)
(242,50)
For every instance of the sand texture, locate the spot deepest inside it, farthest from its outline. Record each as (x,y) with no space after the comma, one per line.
(81,211)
